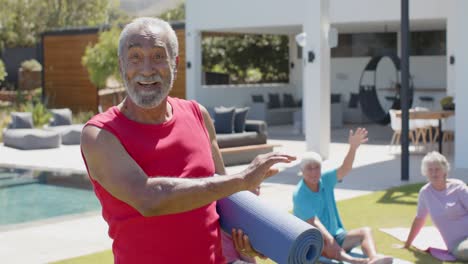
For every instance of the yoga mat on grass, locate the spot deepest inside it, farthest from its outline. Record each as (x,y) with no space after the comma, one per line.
(357,253)
(278,235)
(428,240)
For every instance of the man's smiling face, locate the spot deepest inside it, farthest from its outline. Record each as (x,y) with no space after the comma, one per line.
(146,67)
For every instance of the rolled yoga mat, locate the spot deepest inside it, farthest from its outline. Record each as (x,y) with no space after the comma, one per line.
(278,235)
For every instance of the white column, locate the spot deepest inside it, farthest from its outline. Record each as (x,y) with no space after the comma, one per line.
(193,60)
(295,73)
(457,77)
(451,39)
(316,77)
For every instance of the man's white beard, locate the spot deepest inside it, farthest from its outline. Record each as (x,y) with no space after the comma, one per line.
(148,99)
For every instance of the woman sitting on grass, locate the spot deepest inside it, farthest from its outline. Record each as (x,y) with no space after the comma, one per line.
(446,200)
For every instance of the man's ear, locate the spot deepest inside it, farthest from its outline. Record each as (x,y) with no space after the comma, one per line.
(177,61)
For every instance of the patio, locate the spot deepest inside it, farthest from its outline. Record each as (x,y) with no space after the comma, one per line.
(375,168)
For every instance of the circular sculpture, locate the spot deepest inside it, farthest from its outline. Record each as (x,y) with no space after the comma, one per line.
(368,98)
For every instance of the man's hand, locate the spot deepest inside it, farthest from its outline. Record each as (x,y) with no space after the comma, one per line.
(357,138)
(261,168)
(243,246)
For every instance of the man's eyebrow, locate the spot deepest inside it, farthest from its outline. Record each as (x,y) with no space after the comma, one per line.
(134,45)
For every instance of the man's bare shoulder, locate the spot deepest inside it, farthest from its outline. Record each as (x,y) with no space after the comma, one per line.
(93,137)
(203,108)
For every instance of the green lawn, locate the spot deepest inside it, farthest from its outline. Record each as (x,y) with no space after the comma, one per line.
(392,208)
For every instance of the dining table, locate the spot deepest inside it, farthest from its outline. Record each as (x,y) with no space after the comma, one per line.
(439,115)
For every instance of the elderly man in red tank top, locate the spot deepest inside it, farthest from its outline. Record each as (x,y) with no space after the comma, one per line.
(152,157)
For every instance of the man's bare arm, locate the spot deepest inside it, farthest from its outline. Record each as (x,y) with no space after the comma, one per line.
(110,165)
(215,152)
(327,237)
(355,140)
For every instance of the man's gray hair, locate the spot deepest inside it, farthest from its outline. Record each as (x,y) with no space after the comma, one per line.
(311,157)
(149,22)
(436,157)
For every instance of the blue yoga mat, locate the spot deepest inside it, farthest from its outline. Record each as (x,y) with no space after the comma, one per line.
(278,235)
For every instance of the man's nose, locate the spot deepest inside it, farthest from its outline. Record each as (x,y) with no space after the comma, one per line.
(148,68)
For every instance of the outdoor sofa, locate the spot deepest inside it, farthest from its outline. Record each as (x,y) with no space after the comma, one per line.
(274,112)
(21,134)
(61,123)
(240,140)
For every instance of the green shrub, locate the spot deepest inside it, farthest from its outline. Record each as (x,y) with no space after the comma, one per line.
(3,73)
(101,60)
(41,116)
(31,65)
(82,117)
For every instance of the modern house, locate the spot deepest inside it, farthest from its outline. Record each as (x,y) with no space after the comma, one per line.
(438,62)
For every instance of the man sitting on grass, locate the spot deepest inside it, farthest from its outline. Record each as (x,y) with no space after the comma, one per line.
(314,202)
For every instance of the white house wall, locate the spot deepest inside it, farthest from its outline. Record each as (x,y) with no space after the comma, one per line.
(359,11)
(216,14)
(458,73)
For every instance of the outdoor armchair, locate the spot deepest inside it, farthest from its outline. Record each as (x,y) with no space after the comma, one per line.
(21,134)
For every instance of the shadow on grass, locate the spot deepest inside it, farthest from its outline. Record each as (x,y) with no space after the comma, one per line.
(423,257)
(405,195)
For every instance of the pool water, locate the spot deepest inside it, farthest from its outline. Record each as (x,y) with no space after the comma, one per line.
(30,195)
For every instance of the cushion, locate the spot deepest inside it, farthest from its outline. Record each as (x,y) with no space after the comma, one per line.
(273,100)
(62,117)
(21,120)
(240,139)
(239,119)
(353,100)
(335,98)
(288,100)
(31,138)
(257,98)
(70,134)
(224,119)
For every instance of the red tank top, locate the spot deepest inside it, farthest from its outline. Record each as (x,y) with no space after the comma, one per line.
(177,148)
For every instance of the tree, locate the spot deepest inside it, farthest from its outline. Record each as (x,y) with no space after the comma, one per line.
(101,60)
(176,14)
(22,21)
(242,56)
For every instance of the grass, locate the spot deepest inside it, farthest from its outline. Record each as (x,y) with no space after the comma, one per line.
(392,208)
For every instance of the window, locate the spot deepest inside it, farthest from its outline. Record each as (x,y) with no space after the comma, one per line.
(428,43)
(230,58)
(364,44)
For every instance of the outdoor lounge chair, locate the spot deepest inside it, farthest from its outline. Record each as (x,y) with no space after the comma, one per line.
(62,123)
(21,134)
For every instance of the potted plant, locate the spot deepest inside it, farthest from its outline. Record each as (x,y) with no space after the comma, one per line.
(447,103)
(29,75)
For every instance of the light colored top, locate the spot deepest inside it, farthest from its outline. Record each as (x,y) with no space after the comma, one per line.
(321,204)
(448,210)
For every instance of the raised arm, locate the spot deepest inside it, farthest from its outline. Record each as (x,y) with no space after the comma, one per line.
(110,165)
(354,140)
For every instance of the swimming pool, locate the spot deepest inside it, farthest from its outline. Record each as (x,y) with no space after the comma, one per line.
(27,195)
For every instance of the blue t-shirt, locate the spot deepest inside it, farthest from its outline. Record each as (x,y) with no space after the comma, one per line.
(321,204)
